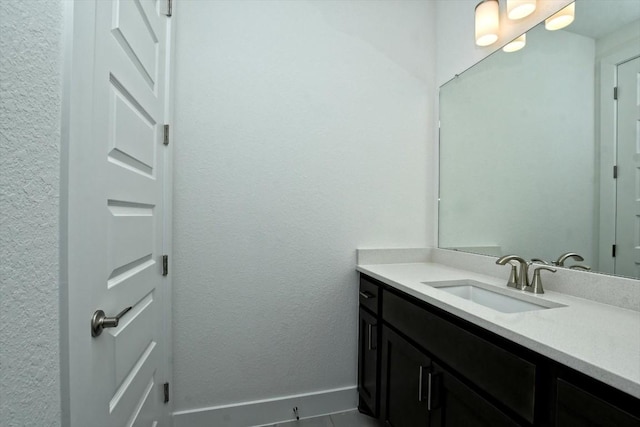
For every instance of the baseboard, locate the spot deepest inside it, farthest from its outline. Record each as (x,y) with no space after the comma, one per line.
(270,411)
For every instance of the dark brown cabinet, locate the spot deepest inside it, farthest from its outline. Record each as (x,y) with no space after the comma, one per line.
(368,349)
(415,391)
(456,404)
(576,406)
(404,385)
(421,366)
(368,361)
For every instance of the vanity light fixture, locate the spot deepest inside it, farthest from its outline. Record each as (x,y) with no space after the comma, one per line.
(561,19)
(487,22)
(516,44)
(518,9)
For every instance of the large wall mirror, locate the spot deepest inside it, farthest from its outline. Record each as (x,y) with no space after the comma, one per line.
(529,141)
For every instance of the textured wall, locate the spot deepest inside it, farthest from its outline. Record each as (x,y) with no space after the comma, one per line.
(302,131)
(30,46)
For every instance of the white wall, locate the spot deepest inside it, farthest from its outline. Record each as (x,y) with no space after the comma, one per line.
(302,132)
(30,95)
(612,42)
(532,192)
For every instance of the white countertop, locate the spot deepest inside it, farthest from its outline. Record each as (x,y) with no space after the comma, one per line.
(602,341)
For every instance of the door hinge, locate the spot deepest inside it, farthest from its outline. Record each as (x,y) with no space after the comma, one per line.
(613,251)
(165,265)
(165,139)
(615,92)
(169,7)
(615,172)
(166,392)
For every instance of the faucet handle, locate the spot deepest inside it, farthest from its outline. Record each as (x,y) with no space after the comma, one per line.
(580,267)
(536,283)
(539,261)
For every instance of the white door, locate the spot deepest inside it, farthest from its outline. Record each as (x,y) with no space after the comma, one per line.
(627,260)
(116,215)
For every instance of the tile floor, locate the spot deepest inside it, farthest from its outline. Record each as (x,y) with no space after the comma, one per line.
(342,419)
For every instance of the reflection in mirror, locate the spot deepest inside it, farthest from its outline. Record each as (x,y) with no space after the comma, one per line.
(529,141)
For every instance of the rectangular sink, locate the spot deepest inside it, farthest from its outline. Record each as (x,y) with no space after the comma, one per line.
(503,300)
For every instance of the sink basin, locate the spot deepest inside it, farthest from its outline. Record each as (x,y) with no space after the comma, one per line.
(503,300)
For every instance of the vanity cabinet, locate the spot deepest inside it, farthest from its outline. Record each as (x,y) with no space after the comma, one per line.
(404,386)
(368,361)
(456,404)
(435,369)
(592,405)
(368,349)
(415,391)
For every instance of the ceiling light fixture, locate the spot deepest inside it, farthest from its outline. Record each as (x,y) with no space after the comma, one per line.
(518,9)
(487,22)
(516,44)
(561,19)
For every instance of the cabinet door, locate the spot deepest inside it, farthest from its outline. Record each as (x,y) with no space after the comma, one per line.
(368,362)
(404,387)
(455,405)
(509,378)
(577,407)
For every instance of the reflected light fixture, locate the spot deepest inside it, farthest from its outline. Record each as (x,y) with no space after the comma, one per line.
(518,9)
(516,44)
(487,22)
(561,19)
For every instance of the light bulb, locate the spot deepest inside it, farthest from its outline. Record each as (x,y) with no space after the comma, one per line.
(518,9)
(516,44)
(487,22)
(561,19)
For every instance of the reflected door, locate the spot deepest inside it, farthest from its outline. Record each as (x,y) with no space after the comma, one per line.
(627,260)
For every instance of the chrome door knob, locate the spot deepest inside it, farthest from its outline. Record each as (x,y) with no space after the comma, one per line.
(99,321)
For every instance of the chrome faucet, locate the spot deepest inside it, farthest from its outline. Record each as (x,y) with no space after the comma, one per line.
(562,258)
(517,279)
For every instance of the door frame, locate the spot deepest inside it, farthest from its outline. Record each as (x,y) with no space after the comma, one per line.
(606,151)
(78,41)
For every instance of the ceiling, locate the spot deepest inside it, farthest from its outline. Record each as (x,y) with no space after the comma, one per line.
(596,18)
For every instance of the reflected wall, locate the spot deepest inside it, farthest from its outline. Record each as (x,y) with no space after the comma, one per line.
(503,190)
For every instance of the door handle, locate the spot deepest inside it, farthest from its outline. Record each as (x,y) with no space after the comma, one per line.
(370,334)
(367,295)
(435,385)
(99,321)
(420,383)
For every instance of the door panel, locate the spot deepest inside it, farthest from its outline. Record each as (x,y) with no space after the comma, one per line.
(577,407)
(117,209)
(459,406)
(368,363)
(403,397)
(627,261)
(136,31)
(133,133)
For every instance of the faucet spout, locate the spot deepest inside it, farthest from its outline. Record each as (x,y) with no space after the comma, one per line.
(562,258)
